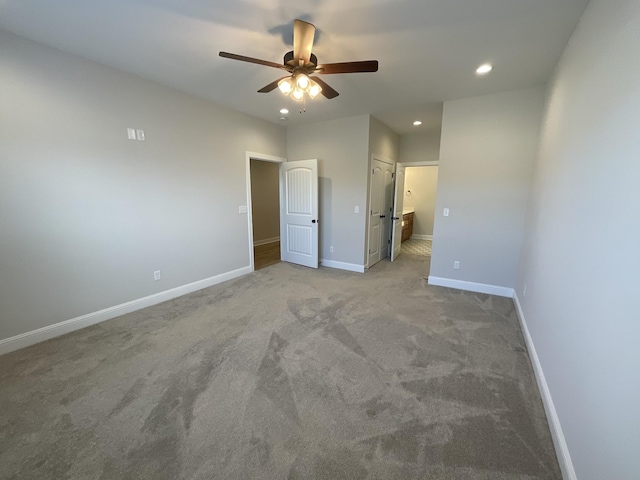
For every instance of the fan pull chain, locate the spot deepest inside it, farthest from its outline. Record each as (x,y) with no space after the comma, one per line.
(304,105)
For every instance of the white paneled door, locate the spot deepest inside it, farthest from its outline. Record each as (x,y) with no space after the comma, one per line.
(375,204)
(380,203)
(398,201)
(299,212)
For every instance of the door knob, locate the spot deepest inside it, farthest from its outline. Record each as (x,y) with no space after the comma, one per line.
(395,218)
(382,216)
(313,221)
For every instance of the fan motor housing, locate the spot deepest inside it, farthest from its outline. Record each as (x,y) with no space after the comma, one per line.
(289,60)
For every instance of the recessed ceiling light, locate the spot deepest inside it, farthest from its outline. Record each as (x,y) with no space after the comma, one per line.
(417,122)
(484,69)
(284,111)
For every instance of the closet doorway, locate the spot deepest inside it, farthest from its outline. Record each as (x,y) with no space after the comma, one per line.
(264,210)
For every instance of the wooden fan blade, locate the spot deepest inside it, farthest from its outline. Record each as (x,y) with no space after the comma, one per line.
(272,86)
(242,58)
(348,67)
(327,91)
(303,35)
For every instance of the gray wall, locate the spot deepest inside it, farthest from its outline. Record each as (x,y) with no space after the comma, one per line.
(383,141)
(487,152)
(422,182)
(265,199)
(582,252)
(420,147)
(341,149)
(87,215)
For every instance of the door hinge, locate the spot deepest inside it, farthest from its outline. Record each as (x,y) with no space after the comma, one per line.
(388,241)
(393,175)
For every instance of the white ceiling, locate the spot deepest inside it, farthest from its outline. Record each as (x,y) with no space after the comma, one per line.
(428,49)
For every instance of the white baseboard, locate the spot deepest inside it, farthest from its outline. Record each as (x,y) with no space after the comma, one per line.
(472,286)
(352,267)
(562,450)
(422,237)
(266,241)
(45,333)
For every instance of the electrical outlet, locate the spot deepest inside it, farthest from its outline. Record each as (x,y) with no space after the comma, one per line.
(445,212)
(156,275)
(331,248)
(356,209)
(456,265)
(131,133)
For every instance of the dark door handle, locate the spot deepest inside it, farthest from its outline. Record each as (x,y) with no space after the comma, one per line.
(395,218)
(314,221)
(382,216)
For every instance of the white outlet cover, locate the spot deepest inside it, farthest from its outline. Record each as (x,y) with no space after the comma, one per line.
(131,133)
(445,213)
(356,209)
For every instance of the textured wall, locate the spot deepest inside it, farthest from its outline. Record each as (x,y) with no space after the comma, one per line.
(383,141)
(487,152)
(87,215)
(581,256)
(420,147)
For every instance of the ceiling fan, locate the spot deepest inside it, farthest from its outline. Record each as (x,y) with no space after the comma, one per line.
(300,63)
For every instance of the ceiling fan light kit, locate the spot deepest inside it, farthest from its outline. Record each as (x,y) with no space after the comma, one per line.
(300,63)
(299,84)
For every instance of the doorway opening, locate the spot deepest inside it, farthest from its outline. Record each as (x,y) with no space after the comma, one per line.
(420,190)
(282,211)
(263,209)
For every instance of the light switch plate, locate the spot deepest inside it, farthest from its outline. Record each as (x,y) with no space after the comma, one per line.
(445,213)
(140,135)
(131,133)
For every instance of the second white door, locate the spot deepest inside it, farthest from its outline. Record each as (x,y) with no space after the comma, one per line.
(398,200)
(380,210)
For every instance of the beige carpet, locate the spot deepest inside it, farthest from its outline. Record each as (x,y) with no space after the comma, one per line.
(287,373)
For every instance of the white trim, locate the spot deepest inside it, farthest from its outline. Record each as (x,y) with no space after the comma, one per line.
(375,156)
(351,267)
(266,241)
(422,237)
(423,163)
(562,450)
(472,286)
(50,331)
(265,158)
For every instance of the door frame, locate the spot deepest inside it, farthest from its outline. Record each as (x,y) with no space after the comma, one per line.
(427,163)
(263,157)
(382,159)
